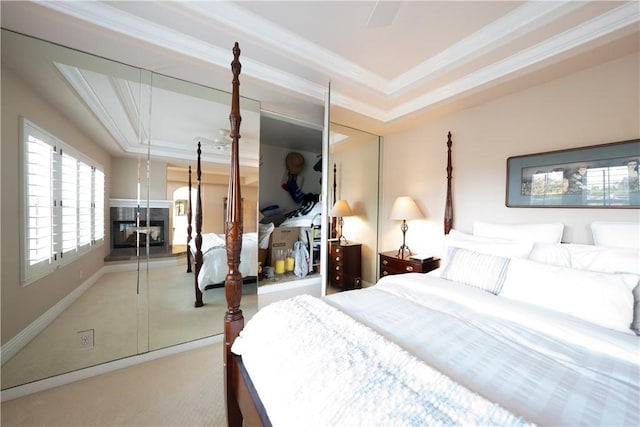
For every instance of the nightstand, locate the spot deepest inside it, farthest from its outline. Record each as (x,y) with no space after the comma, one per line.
(345,265)
(390,263)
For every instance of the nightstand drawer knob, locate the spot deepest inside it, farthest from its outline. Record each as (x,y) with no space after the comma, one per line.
(409,268)
(384,273)
(337,250)
(337,278)
(337,268)
(385,262)
(337,259)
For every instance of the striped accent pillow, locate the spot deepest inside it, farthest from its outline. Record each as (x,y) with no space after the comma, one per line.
(476,269)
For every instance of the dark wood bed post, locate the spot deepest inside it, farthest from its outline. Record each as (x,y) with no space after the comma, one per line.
(334,221)
(233,319)
(198,255)
(448,209)
(189,227)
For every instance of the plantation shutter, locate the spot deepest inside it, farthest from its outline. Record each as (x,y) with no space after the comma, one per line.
(69,203)
(98,205)
(39,200)
(84,204)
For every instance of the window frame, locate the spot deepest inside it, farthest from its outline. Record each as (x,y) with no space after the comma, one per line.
(58,258)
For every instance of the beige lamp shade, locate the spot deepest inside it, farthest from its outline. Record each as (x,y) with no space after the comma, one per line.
(341,208)
(404,208)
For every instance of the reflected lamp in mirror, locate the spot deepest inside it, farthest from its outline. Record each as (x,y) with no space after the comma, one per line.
(341,209)
(403,209)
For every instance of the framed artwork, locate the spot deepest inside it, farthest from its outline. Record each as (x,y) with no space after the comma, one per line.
(599,176)
(181,207)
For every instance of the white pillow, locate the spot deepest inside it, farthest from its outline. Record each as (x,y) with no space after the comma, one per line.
(485,245)
(483,271)
(551,253)
(616,234)
(544,233)
(601,298)
(608,260)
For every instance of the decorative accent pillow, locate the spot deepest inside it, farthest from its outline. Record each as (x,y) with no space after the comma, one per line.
(616,234)
(475,269)
(543,233)
(601,298)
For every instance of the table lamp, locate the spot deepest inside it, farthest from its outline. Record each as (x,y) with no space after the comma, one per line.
(341,209)
(404,208)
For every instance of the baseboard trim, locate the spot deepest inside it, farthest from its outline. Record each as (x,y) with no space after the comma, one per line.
(22,338)
(81,374)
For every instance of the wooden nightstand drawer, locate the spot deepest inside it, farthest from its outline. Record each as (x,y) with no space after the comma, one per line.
(391,264)
(344,265)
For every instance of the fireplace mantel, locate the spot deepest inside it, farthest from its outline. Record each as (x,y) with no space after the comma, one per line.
(133,203)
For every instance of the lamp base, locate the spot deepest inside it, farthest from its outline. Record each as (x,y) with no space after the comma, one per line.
(404,249)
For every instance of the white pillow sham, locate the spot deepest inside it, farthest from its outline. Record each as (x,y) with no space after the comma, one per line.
(616,234)
(485,245)
(608,260)
(483,271)
(601,298)
(544,233)
(551,253)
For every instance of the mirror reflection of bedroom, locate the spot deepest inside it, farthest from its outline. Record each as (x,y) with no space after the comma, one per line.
(291,224)
(132,289)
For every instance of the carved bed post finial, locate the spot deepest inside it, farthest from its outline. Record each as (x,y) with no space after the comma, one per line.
(198,240)
(233,319)
(448,209)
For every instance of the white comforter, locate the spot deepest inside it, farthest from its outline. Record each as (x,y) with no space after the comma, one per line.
(547,367)
(355,377)
(214,258)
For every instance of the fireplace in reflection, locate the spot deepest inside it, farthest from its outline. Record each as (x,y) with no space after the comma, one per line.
(127,234)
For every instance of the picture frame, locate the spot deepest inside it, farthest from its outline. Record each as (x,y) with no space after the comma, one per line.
(599,176)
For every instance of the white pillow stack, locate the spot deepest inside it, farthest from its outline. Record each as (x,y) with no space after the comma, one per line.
(595,283)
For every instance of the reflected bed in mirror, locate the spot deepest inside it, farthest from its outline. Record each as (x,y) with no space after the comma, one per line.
(142,128)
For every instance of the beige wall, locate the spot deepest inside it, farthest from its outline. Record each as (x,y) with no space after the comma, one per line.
(213,195)
(595,106)
(124,179)
(21,305)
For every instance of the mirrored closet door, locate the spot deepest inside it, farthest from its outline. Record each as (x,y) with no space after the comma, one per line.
(354,164)
(127,291)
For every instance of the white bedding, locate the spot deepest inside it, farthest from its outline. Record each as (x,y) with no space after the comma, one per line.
(548,367)
(214,258)
(354,378)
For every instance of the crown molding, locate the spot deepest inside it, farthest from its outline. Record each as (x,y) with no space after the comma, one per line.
(237,20)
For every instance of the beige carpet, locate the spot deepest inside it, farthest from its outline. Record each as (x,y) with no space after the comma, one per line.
(185,389)
(124,323)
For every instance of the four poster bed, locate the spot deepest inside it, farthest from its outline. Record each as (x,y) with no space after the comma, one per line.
(207,251)
(510,331)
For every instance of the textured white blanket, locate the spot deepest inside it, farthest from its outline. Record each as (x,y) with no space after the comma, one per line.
(313,365)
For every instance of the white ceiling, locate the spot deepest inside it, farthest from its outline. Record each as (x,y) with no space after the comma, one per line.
(388,63)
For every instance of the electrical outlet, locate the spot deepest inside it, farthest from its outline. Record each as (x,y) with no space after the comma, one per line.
(86,339)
